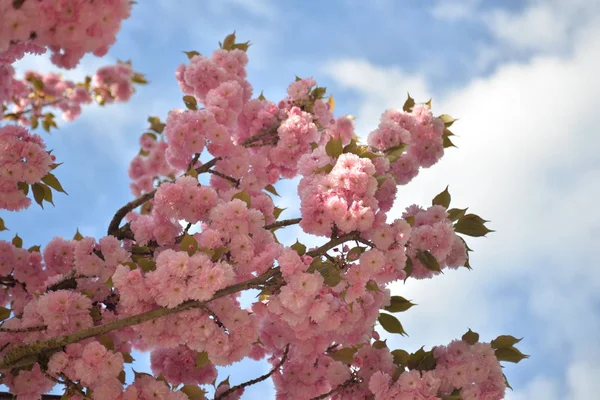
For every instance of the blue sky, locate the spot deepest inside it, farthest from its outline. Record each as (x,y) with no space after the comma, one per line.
(520,75)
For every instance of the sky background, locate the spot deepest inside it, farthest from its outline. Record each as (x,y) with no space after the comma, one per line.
(520,75)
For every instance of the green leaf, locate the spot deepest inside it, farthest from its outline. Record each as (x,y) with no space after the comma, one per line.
(354,253)
(455,395)
(345,355)
(398,304)
(202,359)
(456,213)
(410,220)
(242,46)
(262,96)
(442,199)
(140,374)
(189,244)
(318,92)
(394,153)
(2,226)
(156,125)
(400,357)
(447,142)
(34,248)
(37,84)
(4,313)
(299,248)
(379,344)
(218,253)
(471,225)
(428,260)
(193,392)
(38,193)
(190,102)
(140,79)
(244,196)
(277,212)
(391,324)
(17,241)
(229,41)
(127,358)
(122,377)
(146,264)
(17,4)
(408,268)
(78,236)
(23,187)
(422,360)
(107,342)
(271,189)
(191,54)
(504,341)
(334,147)
(372,287)
(224,382)
(47,193)
(408,104)
(324,169)
(471,337)
(510,354)
(51,181)
(447,120)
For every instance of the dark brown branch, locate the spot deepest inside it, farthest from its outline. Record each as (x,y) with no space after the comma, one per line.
(349,382)
(260,135)
(231,179)
(28,354)
(9,396)
(23,330)
(256,380)
(282,223)
(113,227)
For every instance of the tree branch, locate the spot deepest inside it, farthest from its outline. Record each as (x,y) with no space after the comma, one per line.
(282,223)
(113,227)
(256,380)
(349,382)
(27,354)
(231,179)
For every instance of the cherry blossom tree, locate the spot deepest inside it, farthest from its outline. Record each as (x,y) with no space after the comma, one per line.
(203,229)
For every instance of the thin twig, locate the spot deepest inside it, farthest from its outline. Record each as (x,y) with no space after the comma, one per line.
(282,223)
(231,179)
(113,227)
(349,382)
(256,380)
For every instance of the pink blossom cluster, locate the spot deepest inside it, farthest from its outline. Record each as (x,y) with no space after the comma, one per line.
(312,321)
(28,385)
(434,232)
(114,83)
(179,277)
(185,199)
(69,30)
(23,159)
(474,369)
(92,365)
(178,365)
(151,162)
(25,267)
(35,92)
(62,311)
(302,380)
(146,387)
(419,131)
(344,197)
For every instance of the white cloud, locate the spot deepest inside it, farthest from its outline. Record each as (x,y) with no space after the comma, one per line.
(528,161)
